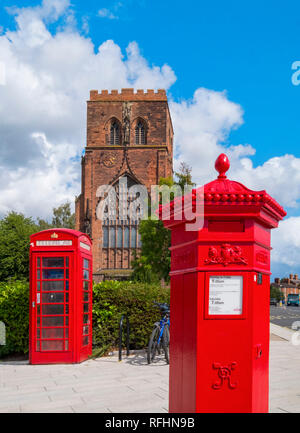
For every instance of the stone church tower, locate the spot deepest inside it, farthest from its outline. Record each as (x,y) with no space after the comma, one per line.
(129,135)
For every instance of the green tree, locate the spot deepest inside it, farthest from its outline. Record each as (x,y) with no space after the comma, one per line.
(155,259)
(154,262)
(184,176)
(15,231)
(275,292)
(43,225)
(63,217)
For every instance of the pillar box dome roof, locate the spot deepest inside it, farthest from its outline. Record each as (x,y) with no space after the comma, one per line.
(226,197)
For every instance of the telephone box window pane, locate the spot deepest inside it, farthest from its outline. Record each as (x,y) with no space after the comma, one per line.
(38,262)
(112,237)
(133,238)
(37,346)
(67,333)
(53,309)
(67,309)
(38,310)
(85,308)
(38,286)
(85,341)
(53,333)
(120,237)
(53,321)
(38,321)
(49,286)
(67,274)
(86,319)
(67,262)
(38,274)
(53,262)
(53,274)
(67,320)
(86,274)
(52,297)
(38,333)
(67,285)
(53,345)
(85,285)
(85,330)
(126,237)
(86,263)
(105,237)
(85,296)
(66,345)
(67,297)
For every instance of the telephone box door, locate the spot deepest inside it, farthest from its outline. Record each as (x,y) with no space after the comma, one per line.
(51,315)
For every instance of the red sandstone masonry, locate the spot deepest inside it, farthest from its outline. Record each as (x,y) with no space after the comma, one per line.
(146,163)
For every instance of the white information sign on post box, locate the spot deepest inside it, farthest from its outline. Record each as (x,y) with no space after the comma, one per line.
(225,295)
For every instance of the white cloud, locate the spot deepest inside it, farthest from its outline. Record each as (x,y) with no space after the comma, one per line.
(286,243)
(201,126)
(106,13)
(42,105)
(53,181)
(111,13)
(279,175)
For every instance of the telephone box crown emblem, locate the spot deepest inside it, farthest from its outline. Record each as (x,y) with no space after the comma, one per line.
(54,236)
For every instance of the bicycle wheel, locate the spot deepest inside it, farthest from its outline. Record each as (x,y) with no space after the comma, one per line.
(165,343)
(153,346)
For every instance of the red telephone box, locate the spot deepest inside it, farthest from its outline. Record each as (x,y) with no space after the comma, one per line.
(60,320)
(220,291)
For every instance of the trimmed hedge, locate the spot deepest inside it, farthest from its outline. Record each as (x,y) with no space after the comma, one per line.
(14,312)
(111,299)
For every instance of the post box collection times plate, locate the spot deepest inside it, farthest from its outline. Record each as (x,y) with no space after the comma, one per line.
(225,295)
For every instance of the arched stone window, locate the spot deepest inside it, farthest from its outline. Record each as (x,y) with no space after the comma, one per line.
(140,133)
(115,133)
(120,236)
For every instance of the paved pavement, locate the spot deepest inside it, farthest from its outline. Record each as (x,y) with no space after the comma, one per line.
(100,385)
(285,316)
(106,385)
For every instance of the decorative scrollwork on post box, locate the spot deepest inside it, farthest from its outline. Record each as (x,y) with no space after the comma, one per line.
(228,254)
(224,373)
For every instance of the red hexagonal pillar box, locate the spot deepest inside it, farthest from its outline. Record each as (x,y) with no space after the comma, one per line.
(220,291)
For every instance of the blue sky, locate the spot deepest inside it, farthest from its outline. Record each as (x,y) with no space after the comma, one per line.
(243,48)
(246,48)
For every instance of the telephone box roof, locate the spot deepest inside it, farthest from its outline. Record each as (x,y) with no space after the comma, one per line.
(72,232)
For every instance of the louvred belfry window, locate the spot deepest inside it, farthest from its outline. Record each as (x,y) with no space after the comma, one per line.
(140,133)
(115,133)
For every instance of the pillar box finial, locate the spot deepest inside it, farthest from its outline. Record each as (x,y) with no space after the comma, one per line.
(222,164)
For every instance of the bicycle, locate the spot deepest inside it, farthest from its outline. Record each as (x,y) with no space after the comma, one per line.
(160,336)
